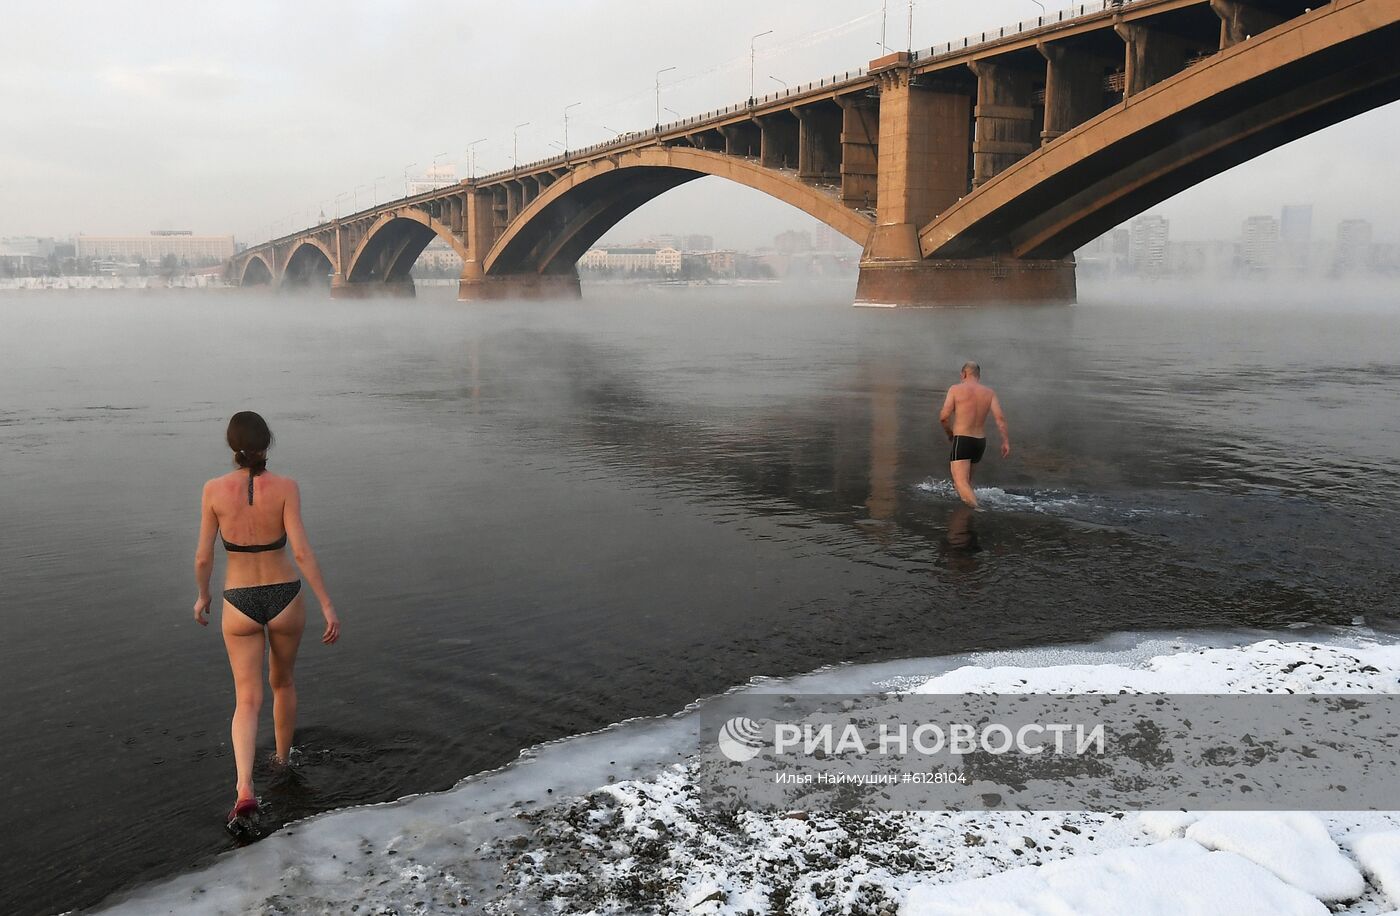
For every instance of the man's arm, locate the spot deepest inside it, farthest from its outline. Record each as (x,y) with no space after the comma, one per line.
(946,415)
(1001,427)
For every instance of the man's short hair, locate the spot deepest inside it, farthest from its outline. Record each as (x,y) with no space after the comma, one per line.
(972,367)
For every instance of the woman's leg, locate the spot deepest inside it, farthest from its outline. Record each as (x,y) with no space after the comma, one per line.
(284,637)
(244,640)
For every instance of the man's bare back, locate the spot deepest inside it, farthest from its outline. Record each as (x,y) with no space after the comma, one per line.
(964,419)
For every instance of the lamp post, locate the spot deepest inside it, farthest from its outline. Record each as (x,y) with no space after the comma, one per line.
(658,94)
(752,54)
(338,199)
(471,157)
(436,157)
(910,49)
(375,191)
(566,125)
(358,189)
(405,177)
(515,143)
(776,80)
(673,111)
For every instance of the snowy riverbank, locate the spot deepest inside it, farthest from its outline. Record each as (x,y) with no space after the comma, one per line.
(611,823)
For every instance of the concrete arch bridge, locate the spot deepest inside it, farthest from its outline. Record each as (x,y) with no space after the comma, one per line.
(968,172)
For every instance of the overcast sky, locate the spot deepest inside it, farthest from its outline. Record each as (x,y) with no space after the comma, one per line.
(223,117)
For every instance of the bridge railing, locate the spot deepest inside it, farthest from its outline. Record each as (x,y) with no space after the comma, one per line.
(1069,14)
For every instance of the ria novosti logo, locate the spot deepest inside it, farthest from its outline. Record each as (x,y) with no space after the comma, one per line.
(741,739)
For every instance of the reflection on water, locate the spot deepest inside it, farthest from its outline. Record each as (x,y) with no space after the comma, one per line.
(960,544)
(538,519)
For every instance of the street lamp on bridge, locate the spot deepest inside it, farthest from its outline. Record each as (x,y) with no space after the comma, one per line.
(515,143)
(358,189)
(566,125)
(471,157)
(374,191)
(752,52)
(405,177)
(776,80)
(658,94)
(338,198)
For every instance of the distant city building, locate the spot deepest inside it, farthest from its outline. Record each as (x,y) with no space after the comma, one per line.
(629,260)
(1147,245)
(440,256)
(792,241)
(1295,236)
(439,176)
(721,263)
(668,260)
(30,245)
(182,244)
(698,242)
(1259,244)
(1353,250)
(667,241)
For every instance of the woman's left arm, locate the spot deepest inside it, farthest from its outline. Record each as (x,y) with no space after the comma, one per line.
(204,555)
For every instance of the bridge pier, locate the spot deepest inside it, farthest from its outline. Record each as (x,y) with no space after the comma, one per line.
(519,286)
(374,289)
(966,281)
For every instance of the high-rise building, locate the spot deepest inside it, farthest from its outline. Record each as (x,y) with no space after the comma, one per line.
(1295,236)
(1147,245)
(1259,244)
(698,242)
(1353,251)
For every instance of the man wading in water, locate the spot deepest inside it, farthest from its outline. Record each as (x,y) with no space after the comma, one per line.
(964,419)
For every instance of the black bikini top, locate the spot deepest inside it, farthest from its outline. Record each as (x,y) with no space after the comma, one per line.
(253,548)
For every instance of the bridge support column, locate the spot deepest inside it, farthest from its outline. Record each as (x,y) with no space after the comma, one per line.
(970,281)
(1006,119)
(1073,89)
(779,149)
(860,135)
(819,143)
(741,140)
(922,169)
(1239,20)
(1152,56)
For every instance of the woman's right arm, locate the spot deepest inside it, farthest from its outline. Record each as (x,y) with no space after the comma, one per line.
(306,560)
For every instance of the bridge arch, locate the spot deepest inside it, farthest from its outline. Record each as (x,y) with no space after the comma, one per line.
(310,264)
(1325,66)
(570,215)
(256,271)
(394,242)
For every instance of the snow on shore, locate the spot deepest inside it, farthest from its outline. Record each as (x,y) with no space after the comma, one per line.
(612,823)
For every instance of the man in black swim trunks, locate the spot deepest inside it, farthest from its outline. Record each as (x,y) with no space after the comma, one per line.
(964,419)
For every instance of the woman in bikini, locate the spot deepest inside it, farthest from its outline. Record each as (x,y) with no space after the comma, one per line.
(258,514)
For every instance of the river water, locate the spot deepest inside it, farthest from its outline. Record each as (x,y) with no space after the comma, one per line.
(539,519)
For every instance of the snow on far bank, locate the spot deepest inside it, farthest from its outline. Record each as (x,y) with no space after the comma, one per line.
(612,823)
